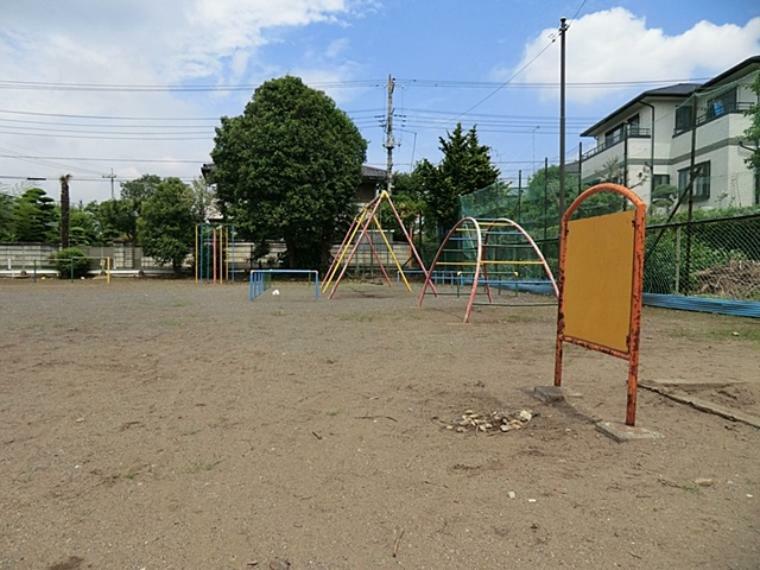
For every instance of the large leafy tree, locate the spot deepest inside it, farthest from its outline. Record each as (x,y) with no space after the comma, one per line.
(117,220)
(166,222)
(288,168)
(466,166)
(140,189)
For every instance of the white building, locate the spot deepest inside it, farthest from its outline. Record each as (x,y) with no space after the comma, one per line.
(626,148)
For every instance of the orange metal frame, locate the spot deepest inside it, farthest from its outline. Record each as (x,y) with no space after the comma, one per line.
(634,328)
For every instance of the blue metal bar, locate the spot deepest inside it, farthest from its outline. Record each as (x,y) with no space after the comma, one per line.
(258,279)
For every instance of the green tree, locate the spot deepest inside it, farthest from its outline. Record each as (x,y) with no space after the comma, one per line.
(84,226)
(288,168)
(35,217)
(117,220)
(466,166)
(753,131)
(203,199)
(6,216)
(166,222)
(140,189)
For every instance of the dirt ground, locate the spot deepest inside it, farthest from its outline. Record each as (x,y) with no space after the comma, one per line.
(163,425)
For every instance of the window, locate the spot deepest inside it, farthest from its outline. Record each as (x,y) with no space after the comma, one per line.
(661,180)
(701,182)
(722,104)
(683,118)
(613,136)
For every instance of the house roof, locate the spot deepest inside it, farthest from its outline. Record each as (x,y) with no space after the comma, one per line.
(368,172)
(681,90)
(676,90)
(755,59)
(372,173)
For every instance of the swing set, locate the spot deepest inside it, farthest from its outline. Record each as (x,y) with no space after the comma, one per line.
(359,232)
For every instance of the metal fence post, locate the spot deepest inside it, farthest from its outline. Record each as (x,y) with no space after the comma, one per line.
(678,259)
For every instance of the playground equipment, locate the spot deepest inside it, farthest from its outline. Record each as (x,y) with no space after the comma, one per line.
(214,251)
(489,253)
(358,232)
(261,279)
(600,282)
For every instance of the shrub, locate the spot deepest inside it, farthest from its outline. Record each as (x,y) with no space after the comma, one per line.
(71,261)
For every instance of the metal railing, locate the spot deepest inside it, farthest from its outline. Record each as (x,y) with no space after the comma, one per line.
(617,138)
(714,112)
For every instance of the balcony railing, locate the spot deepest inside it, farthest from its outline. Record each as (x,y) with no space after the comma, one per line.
(715,112)
(617,138)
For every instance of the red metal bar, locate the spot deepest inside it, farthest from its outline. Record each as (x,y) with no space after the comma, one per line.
(428,275)
(634,328)
(634,335)
(377,257)
(409,241)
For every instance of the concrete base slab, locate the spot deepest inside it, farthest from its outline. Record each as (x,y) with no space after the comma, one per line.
(695,383)
(549,394)
(622,433)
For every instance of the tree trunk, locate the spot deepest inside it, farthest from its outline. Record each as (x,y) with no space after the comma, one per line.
(65,210)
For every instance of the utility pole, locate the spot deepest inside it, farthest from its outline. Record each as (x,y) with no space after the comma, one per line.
(562,29)
(519,195)
(111,176)
(389,143)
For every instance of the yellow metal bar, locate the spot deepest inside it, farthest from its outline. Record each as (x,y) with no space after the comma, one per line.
(486,262)
(342,253)
(393,253)
(109,264)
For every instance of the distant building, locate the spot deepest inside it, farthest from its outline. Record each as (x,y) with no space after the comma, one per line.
(371,180)
(657,124)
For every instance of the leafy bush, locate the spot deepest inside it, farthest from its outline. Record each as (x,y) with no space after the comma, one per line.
(71,260)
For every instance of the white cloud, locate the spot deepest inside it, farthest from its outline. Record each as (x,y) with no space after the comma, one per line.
(617,45)
(133,42)
(336,47)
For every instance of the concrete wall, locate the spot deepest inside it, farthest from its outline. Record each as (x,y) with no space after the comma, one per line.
(19,259)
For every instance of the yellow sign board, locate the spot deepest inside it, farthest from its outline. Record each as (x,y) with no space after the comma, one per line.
(599,279)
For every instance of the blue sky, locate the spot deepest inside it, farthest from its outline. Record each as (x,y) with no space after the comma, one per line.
(332,43)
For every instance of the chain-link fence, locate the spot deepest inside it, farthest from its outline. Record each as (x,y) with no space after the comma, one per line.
(711,257)
(714,257)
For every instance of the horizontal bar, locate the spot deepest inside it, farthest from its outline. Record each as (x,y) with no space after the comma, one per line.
(594,346)
(466,263)
(516,304)
(284,271)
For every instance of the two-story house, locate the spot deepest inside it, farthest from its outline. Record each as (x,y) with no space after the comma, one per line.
(657,127)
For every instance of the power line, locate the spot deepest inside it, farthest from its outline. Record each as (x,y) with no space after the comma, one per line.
(152,88)
(104,159)
(546,84)
(89,137)
(508,81)
(139,118)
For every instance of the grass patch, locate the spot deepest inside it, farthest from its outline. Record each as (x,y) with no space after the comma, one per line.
(358,317)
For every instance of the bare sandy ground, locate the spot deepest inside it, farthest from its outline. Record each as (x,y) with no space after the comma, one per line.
(163,425)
